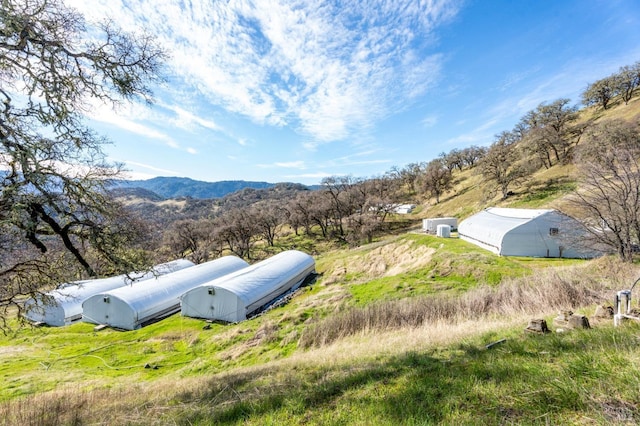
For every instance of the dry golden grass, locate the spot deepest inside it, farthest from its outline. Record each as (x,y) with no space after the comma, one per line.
(548,291)
(369,336)
(471,194)
(383,259)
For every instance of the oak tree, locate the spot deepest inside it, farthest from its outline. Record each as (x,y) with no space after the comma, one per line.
(600,92)
(501,165)
(626,81)
(437,178)
(57,220)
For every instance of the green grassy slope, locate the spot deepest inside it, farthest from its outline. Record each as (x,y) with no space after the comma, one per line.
(41,359)
(432,371)
(257,371)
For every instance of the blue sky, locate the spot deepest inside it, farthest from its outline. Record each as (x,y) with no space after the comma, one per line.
(299,90)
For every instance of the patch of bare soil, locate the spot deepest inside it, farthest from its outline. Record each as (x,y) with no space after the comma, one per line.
(383,261)
(10,350)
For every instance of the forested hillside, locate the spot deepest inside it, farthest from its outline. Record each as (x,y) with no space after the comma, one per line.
(175,187)
(552,152)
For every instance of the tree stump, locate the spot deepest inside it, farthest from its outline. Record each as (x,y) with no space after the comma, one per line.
(538,326)
(567,319)
(604,312)
(579,321)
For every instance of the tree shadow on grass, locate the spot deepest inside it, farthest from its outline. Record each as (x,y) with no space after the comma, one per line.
(520,381)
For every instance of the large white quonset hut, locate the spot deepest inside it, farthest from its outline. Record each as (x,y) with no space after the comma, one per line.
(237,295)
(526,232)
(63,306)
(129,308)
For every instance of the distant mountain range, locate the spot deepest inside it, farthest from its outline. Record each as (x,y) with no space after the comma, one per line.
(180,187)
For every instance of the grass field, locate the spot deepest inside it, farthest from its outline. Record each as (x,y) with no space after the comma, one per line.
(401,342)
(393,332)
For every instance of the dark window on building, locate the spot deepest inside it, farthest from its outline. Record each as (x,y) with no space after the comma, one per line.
(554,231)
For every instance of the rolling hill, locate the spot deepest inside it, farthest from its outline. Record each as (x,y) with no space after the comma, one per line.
(179,187)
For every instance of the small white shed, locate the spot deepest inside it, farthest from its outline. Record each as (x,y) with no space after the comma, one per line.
(237,295)
(63,306)
(526,232)
(132,307)
(404,208)
(430,225)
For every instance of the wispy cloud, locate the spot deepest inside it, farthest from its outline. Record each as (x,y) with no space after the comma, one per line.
(285,165)
(429,121)
(481,135)
(311,146)
(513,79)
(328,70)
(154,171)
(527,93)
(187,120)
(106,115)
(316,175)
(356,159)
(291,165)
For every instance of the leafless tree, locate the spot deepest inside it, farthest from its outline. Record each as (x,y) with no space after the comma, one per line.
(383,194)
(191,238)
(599,93)
(627,80)
(268,216)
(54,173)
(362,227)
(343,199)
(452,160)
(236,230)
(436,179)
(608,195)
(502,163)
(298,214)
(409,175)
(548,131)
(472,154)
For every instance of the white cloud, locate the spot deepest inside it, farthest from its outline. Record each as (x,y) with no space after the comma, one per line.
(310,146)
(329,70)
(430,121)
(106,116)
(150,167)
(483,134)
(186,119)
(291,165)
(317,175)
(130,175)
(284,165)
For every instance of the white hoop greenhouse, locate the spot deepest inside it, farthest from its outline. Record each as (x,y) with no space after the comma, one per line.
(233,297)
(527,232)
(63,306)
(135,306)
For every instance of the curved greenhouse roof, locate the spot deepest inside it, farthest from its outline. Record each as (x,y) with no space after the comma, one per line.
(526,232)
(132,307)
(233,297)
(64,305)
